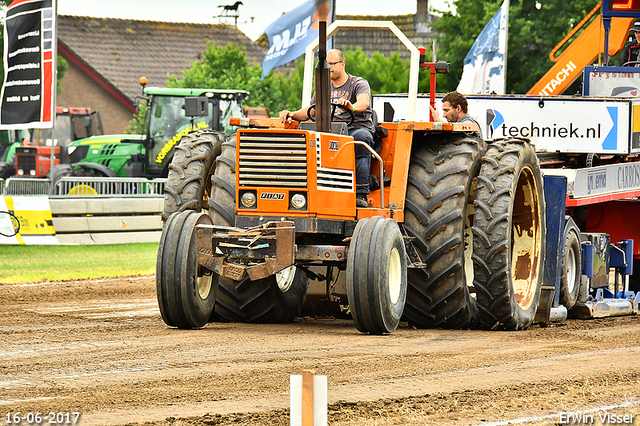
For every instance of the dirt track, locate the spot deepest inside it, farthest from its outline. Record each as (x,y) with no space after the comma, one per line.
(99,347)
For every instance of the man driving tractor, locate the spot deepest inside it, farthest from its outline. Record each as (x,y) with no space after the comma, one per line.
(354,94)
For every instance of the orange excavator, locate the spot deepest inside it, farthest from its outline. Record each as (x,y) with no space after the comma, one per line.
(584,50)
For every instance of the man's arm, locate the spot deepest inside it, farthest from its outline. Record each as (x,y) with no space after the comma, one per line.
(361,104)
(435,114)
(299,115)
(362,92)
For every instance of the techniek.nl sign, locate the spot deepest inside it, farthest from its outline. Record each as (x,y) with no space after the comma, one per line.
(554,125)
(557,125)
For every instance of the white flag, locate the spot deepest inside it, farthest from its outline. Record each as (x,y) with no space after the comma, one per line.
(485,66)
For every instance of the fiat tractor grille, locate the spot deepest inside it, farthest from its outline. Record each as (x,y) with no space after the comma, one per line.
(274,160)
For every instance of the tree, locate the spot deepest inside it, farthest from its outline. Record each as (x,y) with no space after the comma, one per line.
(535,27)
(384,74)
(227,68)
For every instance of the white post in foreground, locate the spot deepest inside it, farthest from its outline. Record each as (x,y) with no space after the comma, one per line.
(308,399)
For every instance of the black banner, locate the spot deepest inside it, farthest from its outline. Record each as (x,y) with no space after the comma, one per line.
(27,94)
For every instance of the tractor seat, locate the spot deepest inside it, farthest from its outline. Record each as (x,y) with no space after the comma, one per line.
(379,132)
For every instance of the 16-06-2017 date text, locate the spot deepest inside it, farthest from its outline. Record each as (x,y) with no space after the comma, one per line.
(60,418)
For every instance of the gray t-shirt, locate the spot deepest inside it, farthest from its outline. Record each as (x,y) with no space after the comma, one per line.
(468,119)
(350,91)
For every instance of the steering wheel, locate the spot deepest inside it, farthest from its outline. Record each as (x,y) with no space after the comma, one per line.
(352,117)
(631,63)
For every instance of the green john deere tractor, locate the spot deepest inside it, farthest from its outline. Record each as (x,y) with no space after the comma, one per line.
(171,114)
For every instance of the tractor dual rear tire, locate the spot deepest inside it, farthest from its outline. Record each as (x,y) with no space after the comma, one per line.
(440,188)
(186,292)
(509,236)
(376,275)
(188,186)
(275,299)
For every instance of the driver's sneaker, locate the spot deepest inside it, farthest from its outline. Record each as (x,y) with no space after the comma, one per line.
(361,200)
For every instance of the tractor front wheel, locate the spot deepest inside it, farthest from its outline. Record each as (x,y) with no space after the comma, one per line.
(7,170)
(186,291)
(377,275)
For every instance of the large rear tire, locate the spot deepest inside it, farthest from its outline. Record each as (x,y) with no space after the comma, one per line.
(186,292)
(377,275)
(275,299)
(7,170)
(278,298)
(438,214)
(59,171)
(188,185)
(509,236)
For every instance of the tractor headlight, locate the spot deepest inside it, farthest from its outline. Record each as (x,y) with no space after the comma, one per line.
(248,199)
(298,201)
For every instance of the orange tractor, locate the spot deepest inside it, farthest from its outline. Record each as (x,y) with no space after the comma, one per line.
(453,235)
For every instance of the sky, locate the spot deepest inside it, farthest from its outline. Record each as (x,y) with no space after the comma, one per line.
(255,15)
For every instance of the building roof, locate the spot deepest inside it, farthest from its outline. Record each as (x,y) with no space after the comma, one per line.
(120,51)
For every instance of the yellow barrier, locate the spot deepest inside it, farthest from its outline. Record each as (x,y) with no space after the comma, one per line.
(36,222)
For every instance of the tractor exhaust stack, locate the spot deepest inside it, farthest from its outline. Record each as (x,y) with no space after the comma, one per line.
(323,89)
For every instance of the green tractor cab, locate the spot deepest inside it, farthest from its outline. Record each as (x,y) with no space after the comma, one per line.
(171,114)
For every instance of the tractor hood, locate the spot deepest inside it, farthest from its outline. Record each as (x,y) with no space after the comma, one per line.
(108,139)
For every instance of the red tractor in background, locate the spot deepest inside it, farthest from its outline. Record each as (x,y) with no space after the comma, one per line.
(29,153)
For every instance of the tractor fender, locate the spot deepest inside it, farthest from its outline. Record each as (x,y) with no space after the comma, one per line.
(101,168)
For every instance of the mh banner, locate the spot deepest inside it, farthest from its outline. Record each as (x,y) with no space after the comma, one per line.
(291,33)
(28,93)
(485,66)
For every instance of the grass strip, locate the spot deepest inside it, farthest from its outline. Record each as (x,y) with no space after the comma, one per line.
(32,264)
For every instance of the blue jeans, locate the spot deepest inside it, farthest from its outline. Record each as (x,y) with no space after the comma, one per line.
(363,159)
